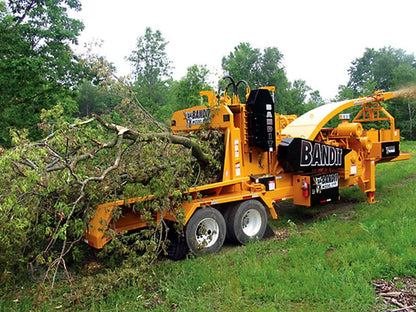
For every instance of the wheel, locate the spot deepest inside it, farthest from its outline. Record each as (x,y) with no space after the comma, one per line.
(246,221)
(177,248)
(205,231)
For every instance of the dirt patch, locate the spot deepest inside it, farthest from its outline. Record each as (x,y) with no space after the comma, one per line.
(281,234)
(396,295)
(343,209)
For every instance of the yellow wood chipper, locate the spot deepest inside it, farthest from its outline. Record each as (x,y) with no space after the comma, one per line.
(268,158)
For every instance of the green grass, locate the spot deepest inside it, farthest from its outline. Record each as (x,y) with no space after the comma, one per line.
(327,263)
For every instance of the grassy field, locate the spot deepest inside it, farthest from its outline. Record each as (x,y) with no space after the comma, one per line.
(321,259)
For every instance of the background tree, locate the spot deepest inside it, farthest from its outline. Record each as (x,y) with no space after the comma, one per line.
(37,66)
(266,69)
(152,72)
(298,93)
(315,99)
(387,69)
(186,91)
(243,63)
(95,99)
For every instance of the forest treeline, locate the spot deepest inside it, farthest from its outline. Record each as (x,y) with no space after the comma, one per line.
(39,70)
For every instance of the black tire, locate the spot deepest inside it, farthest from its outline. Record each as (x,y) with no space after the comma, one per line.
(246,221)
(205,231)
(177,248)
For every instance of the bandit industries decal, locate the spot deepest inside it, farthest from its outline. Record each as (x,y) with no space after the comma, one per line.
(198,117)
(327,181)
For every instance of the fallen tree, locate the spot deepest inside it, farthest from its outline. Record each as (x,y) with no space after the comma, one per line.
(50,188)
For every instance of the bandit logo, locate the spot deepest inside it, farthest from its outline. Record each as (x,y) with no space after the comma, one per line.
(197,117)
(304,154)
(315,154)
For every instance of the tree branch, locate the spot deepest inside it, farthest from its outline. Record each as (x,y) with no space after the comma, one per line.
(197,151)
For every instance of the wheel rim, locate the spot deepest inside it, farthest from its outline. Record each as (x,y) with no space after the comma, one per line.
(207,232)
(251,222)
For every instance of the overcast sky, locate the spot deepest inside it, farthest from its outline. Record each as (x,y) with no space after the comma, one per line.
(319,39)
